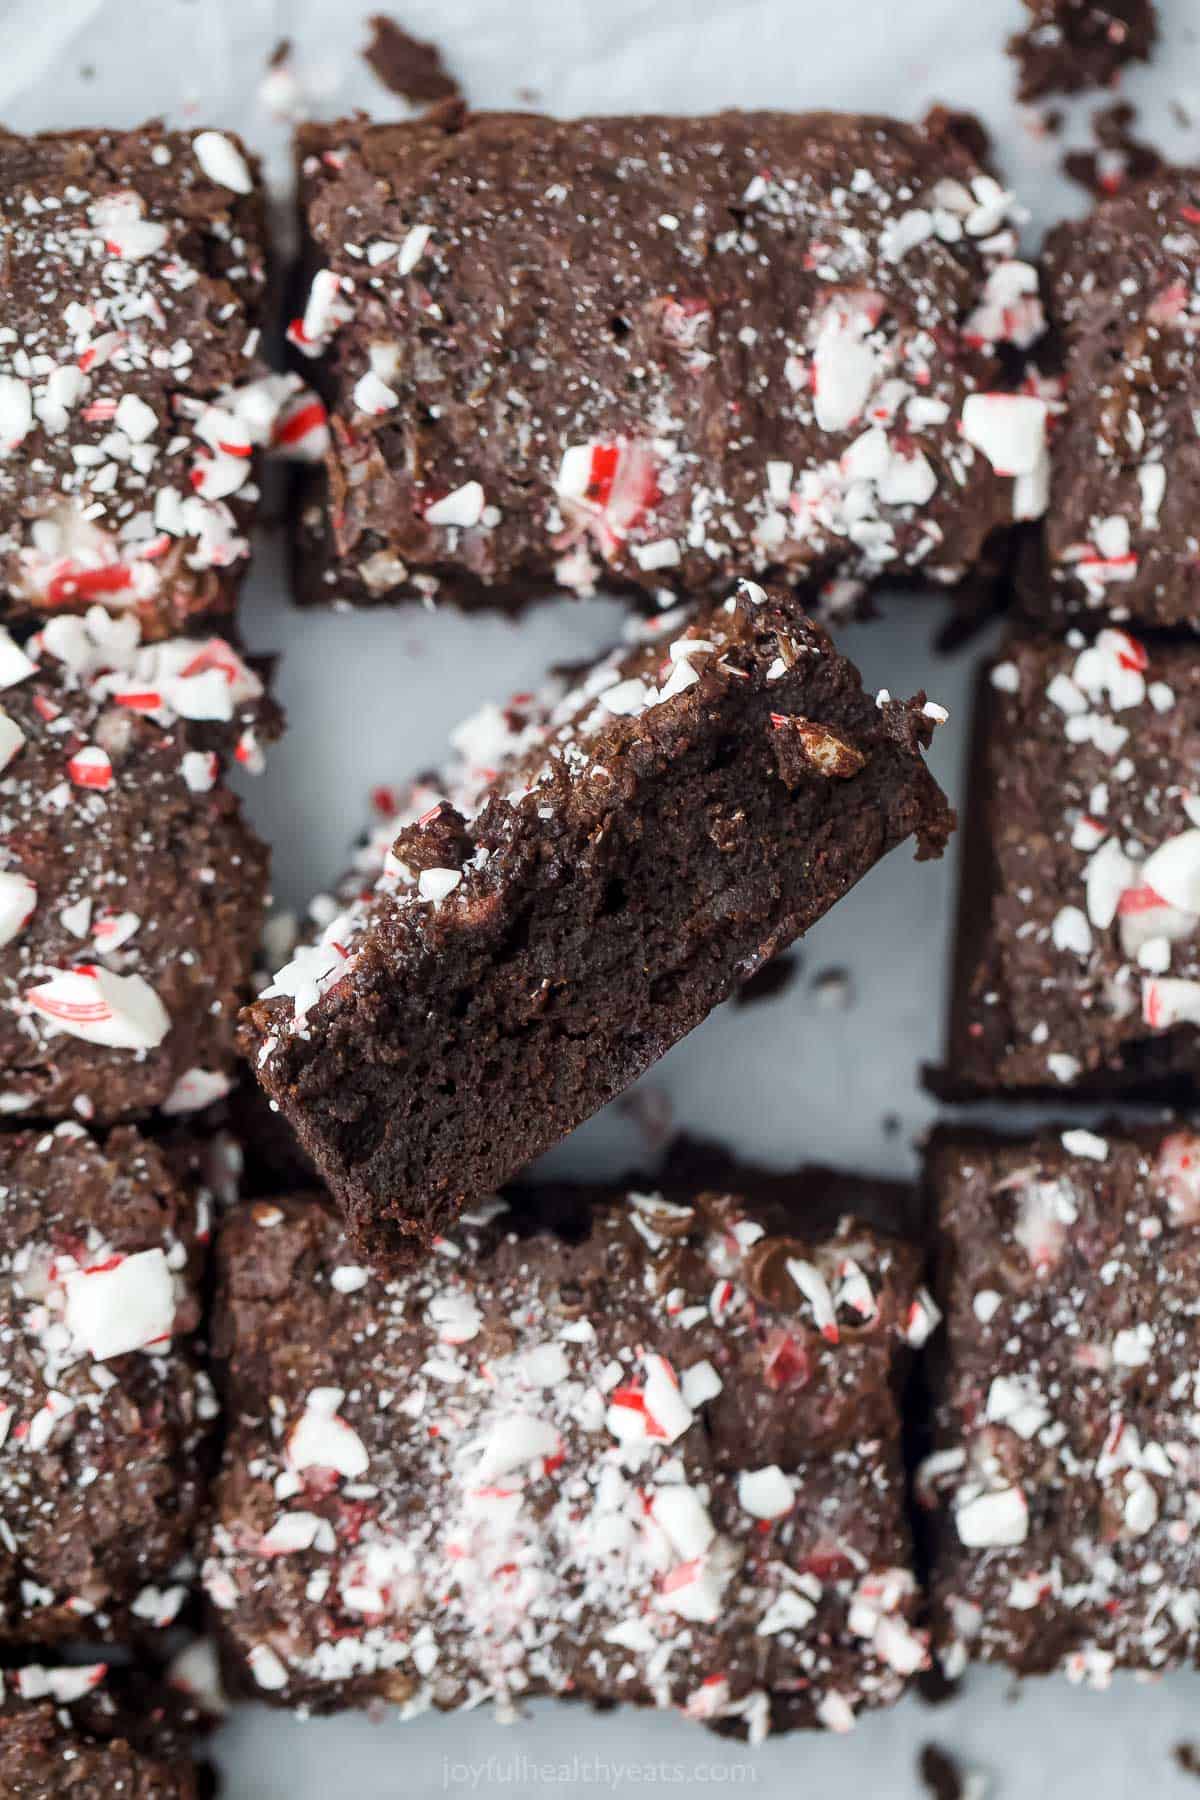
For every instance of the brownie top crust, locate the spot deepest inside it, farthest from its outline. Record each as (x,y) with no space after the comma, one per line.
(1066,1474)
(131,889)
(616,1446)
(1091,950)
(85,1732)
(659,351)
(132,392)
(1123,295)
(106,1412)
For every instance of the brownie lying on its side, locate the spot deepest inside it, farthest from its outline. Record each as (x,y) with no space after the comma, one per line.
(132,395)
(1079,962)
(657,353)
(1065,1471)
(131,886)
(626,852)
(613,1445)
(1123,293)
(87,1733)
(106,1415)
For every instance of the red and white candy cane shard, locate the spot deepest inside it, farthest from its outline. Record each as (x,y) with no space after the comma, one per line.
(127,1304)
(91,767)
(121,1012)
(301,431)
(612,486)
(327,309)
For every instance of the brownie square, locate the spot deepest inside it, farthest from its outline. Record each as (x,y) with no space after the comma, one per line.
(1063,1481)
(654,353)
(131,886)
(133,399)
(106,1412)
(611,1445)
(1122,295)
(1079,964)
(87,1732)
(611,861)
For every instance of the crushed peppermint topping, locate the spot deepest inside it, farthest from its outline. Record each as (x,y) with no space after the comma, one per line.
(513,1467)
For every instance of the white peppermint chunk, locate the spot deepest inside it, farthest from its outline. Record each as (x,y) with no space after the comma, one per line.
(463,507)
(1173,870)
(1071,931)
(321,1440)
(765,1493)
(16,412)
(137,420)
(1010,429)
(122,1012)
(266,1668)
(515,1442)
(1085,1143)
(995,1519)
(683,1518)
(222,161)
(127,1307)
(18,898)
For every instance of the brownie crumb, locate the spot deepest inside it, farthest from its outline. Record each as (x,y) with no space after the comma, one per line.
(406,66)
(946,1779)
(1072,45)
(935,1687)
(960,130)
(768,981)
(832,990)
(1118,160)
(1187,1758)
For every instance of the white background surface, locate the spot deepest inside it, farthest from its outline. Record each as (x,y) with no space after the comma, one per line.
(372,697)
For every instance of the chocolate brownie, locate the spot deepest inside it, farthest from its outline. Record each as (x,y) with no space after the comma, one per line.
(654,353)
(131,887)
(1064,1478)
(1070,45)
(613,1446)
(610,862)
(107,1413)
(1123,294)
(86,1732)
(132,392)
(1079,960)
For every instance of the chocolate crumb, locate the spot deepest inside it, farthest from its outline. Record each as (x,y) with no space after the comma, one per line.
(771,979)
(1072,45)
(935,1687)
(1187,1757)
(940,1773)
(1119,158)
(832,990)
(962,130)
(407,66)
(946,1779)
